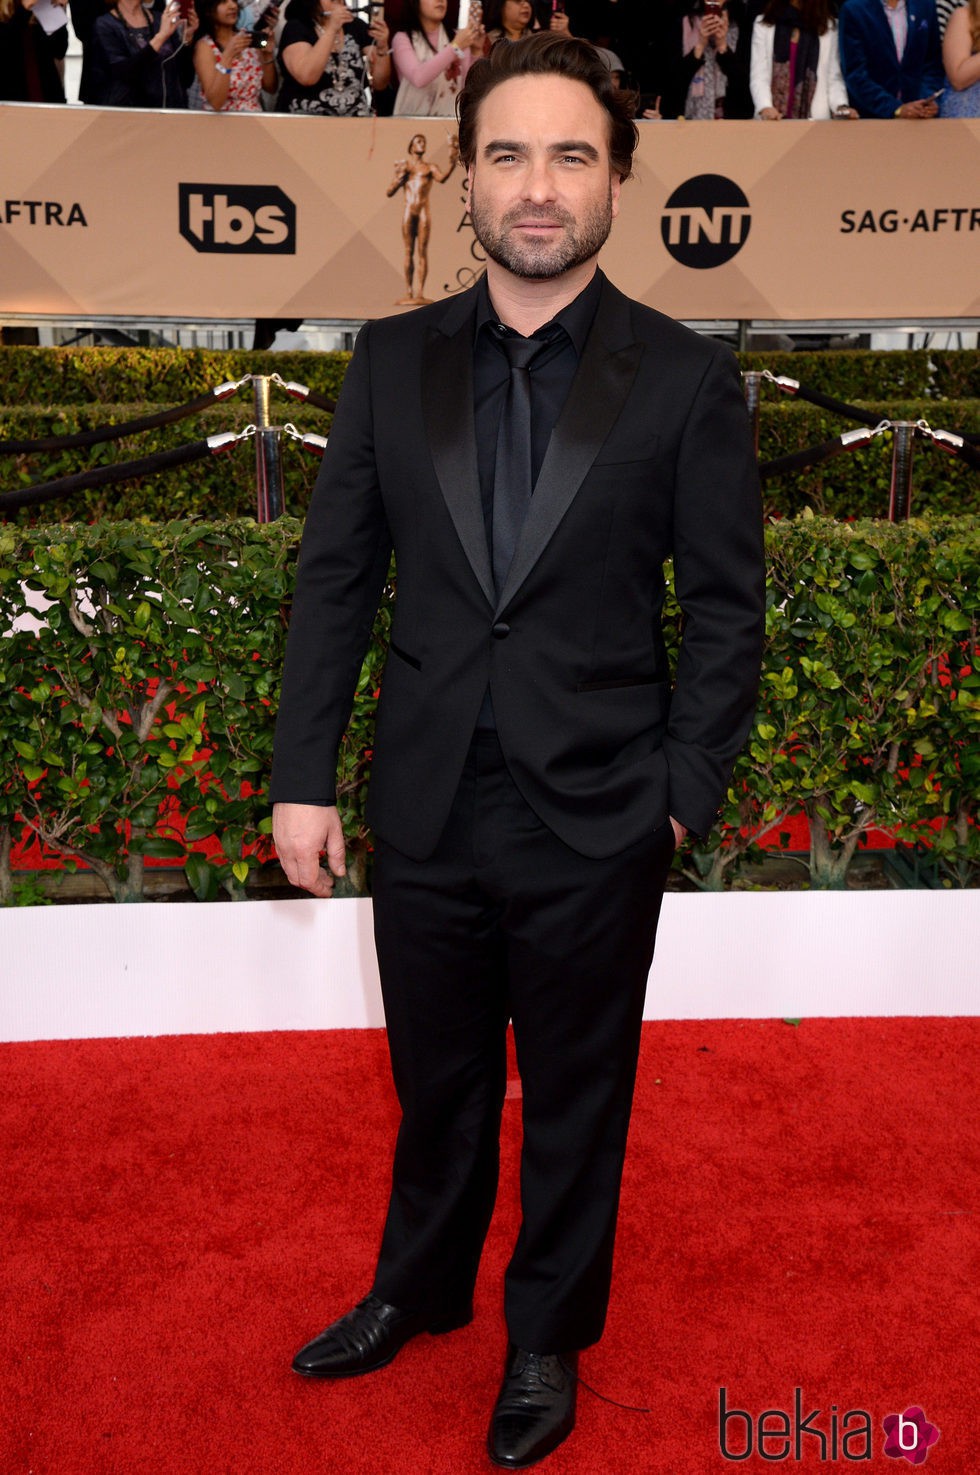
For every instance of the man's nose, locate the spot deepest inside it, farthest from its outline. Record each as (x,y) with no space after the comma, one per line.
(539,184)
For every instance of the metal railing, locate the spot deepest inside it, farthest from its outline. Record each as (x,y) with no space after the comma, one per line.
(267,436)
(904,433)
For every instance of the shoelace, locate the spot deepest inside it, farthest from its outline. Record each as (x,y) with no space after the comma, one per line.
(633,1408)
(351,1338)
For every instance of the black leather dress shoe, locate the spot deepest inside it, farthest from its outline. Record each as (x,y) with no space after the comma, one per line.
(368,1338)
(535,1409)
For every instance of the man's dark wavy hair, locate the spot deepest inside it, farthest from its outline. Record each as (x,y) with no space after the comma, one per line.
(549,54)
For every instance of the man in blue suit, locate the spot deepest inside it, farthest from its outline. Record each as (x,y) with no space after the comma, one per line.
(891,57)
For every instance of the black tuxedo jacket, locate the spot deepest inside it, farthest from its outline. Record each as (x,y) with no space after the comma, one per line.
(651,457)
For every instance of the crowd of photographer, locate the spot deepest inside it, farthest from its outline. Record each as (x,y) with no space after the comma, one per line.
(695,59)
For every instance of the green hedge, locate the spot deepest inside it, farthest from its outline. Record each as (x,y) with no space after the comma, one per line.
(169,375)
(853,485)
(220,485)
(869,714)
(166,376)
(862,374)
(58,391)
(138,719)
(856,483)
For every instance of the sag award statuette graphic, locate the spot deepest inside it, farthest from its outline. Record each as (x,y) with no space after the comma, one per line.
(415,175)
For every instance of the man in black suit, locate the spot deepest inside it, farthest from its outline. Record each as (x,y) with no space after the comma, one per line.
(533,451)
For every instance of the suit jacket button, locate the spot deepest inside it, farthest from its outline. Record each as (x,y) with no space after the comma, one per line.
(500,630)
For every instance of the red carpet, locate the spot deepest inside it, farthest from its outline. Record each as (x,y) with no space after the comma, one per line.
(177,1215)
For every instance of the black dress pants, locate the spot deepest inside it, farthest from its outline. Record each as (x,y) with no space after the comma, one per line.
(505,921)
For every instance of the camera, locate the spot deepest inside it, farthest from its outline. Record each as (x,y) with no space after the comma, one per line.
(259,36)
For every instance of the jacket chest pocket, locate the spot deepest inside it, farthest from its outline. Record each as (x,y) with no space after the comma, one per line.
(632,450)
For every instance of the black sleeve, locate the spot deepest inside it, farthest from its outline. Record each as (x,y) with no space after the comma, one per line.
(84,14)
(734,63)
(56,44)
(677,70)
(719,578)
(293,31)
(342,567)
(358,29)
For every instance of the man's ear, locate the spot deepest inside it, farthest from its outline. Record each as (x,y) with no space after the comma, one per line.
(469,178)
(616,184)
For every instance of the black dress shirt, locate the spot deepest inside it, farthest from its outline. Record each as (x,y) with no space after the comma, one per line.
(552,371)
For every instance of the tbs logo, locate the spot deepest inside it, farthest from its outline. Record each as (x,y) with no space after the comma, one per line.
(246,219)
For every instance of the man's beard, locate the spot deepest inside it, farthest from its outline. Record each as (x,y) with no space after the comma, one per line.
(541,259)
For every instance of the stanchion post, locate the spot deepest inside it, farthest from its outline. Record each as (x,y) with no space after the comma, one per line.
(268,460)
(752,384)
(900,494)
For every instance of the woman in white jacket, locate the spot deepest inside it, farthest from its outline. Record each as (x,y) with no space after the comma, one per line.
(795,67)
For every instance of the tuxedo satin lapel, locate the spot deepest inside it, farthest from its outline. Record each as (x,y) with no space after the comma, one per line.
(447,405)
(599,391)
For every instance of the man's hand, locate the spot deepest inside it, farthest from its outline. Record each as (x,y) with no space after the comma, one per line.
(923,107)
(301,833)
(679,830)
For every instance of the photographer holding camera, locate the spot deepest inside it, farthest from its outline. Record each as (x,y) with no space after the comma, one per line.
(140,57)
(234,66)
(708,62)
(329,56)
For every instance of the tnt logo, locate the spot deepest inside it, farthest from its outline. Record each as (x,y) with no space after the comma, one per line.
(247,219)
(706,221)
